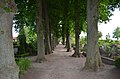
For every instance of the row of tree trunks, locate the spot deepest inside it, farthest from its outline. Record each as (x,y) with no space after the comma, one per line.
(8,67)
(44,38)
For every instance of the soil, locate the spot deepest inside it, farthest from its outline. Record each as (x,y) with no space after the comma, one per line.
(60,65)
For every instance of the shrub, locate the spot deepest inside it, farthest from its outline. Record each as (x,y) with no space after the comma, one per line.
(23,64)
(117,61)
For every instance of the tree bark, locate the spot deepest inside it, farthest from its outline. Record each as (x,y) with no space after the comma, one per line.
(93,60)
(53,43)
(47,29)
(77,43)
(65,19)
(40,34)
(50,36)
(77,28)
(63,34)
(68,41)
(8,67)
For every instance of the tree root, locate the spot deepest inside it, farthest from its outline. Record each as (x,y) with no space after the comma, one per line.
(78,55)
(41,60)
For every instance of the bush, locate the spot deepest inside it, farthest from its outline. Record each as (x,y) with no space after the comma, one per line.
(117,61)
(23,64)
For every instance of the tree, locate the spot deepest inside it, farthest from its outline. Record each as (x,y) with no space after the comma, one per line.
(116,33)
(79,19)
(99,34)
(66,20)
(47,28)
(25,18)
(22,42)
(40,32)
(93,59)
(8,67)
(77,28)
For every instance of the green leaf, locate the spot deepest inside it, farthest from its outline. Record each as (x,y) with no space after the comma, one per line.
(7,9)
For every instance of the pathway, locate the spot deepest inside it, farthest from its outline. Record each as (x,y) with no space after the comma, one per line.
(61,66)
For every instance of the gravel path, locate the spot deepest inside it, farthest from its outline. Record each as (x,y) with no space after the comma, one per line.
(61,66)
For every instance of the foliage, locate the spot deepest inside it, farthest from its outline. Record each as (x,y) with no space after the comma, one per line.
(116,33)
(58,10)
(107,45)
(15,44)
(101,42)
(115,42)
(105,13)
(25,15)
(73,41)
(117,61)
(99,34)
(83,40)
(31,37)
(105,9)
(23,64)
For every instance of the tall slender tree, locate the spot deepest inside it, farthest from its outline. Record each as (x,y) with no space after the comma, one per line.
(93,60)
(8,67)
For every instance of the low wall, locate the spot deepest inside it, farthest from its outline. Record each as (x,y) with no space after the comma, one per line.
(107,60)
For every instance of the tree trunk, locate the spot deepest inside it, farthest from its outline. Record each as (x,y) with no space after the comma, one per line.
(8,67)
(77,44)
(65,19)
(68,41)
(50,36)
(77,28)
(93,60)
(63,34)
(53,43)
(22,41)
(40,34)
(47,32)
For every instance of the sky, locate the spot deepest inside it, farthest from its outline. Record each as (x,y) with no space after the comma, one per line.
(111,25)
(14,33)
(104,28)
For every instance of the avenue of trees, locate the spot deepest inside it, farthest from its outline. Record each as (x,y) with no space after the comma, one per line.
(46,22)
